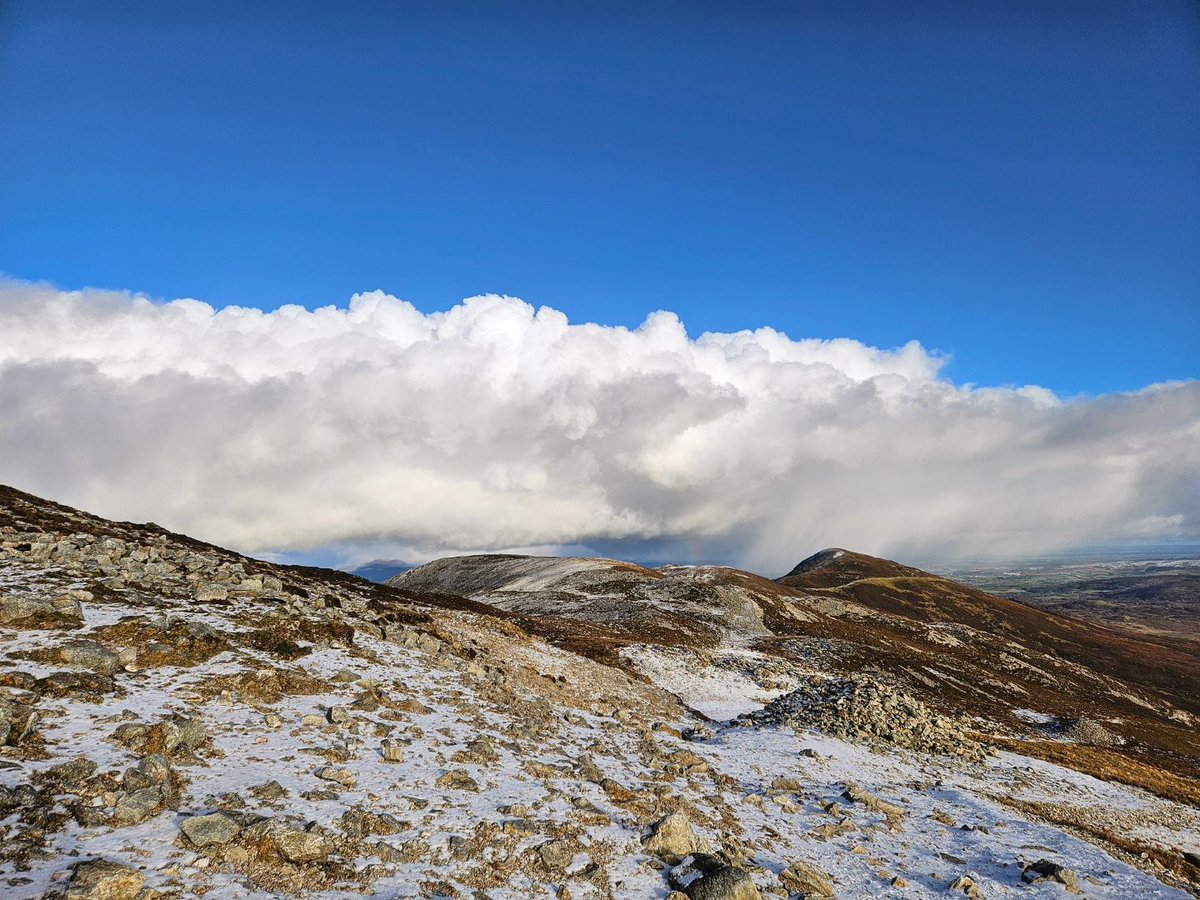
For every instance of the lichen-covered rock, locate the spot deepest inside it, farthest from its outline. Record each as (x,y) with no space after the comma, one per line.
(136,807)
(32,612)
(806,880)
(299,845)
(90,655)
(672,838)
(209,830)
(99,879)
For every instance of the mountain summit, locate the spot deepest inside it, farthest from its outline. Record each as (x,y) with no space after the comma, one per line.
(838,563)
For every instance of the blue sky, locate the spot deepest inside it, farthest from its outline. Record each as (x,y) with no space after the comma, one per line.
(1014,184)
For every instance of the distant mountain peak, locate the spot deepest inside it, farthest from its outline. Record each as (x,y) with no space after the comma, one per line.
(860,565)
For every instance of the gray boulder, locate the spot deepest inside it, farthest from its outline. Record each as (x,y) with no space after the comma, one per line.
(138,806)
(706,877)
(209,830)
(89,655)
(149,771)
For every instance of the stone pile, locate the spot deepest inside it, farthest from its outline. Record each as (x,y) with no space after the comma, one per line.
(863,710)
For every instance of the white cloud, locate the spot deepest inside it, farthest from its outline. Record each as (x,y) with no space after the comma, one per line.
(495,425)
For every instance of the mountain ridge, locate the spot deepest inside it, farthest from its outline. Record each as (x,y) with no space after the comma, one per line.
(176,716)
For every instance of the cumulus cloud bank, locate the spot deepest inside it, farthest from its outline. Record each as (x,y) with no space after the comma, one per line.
(381,430)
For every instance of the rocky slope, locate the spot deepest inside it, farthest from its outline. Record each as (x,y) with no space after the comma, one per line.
(178,720)
(1012,670)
